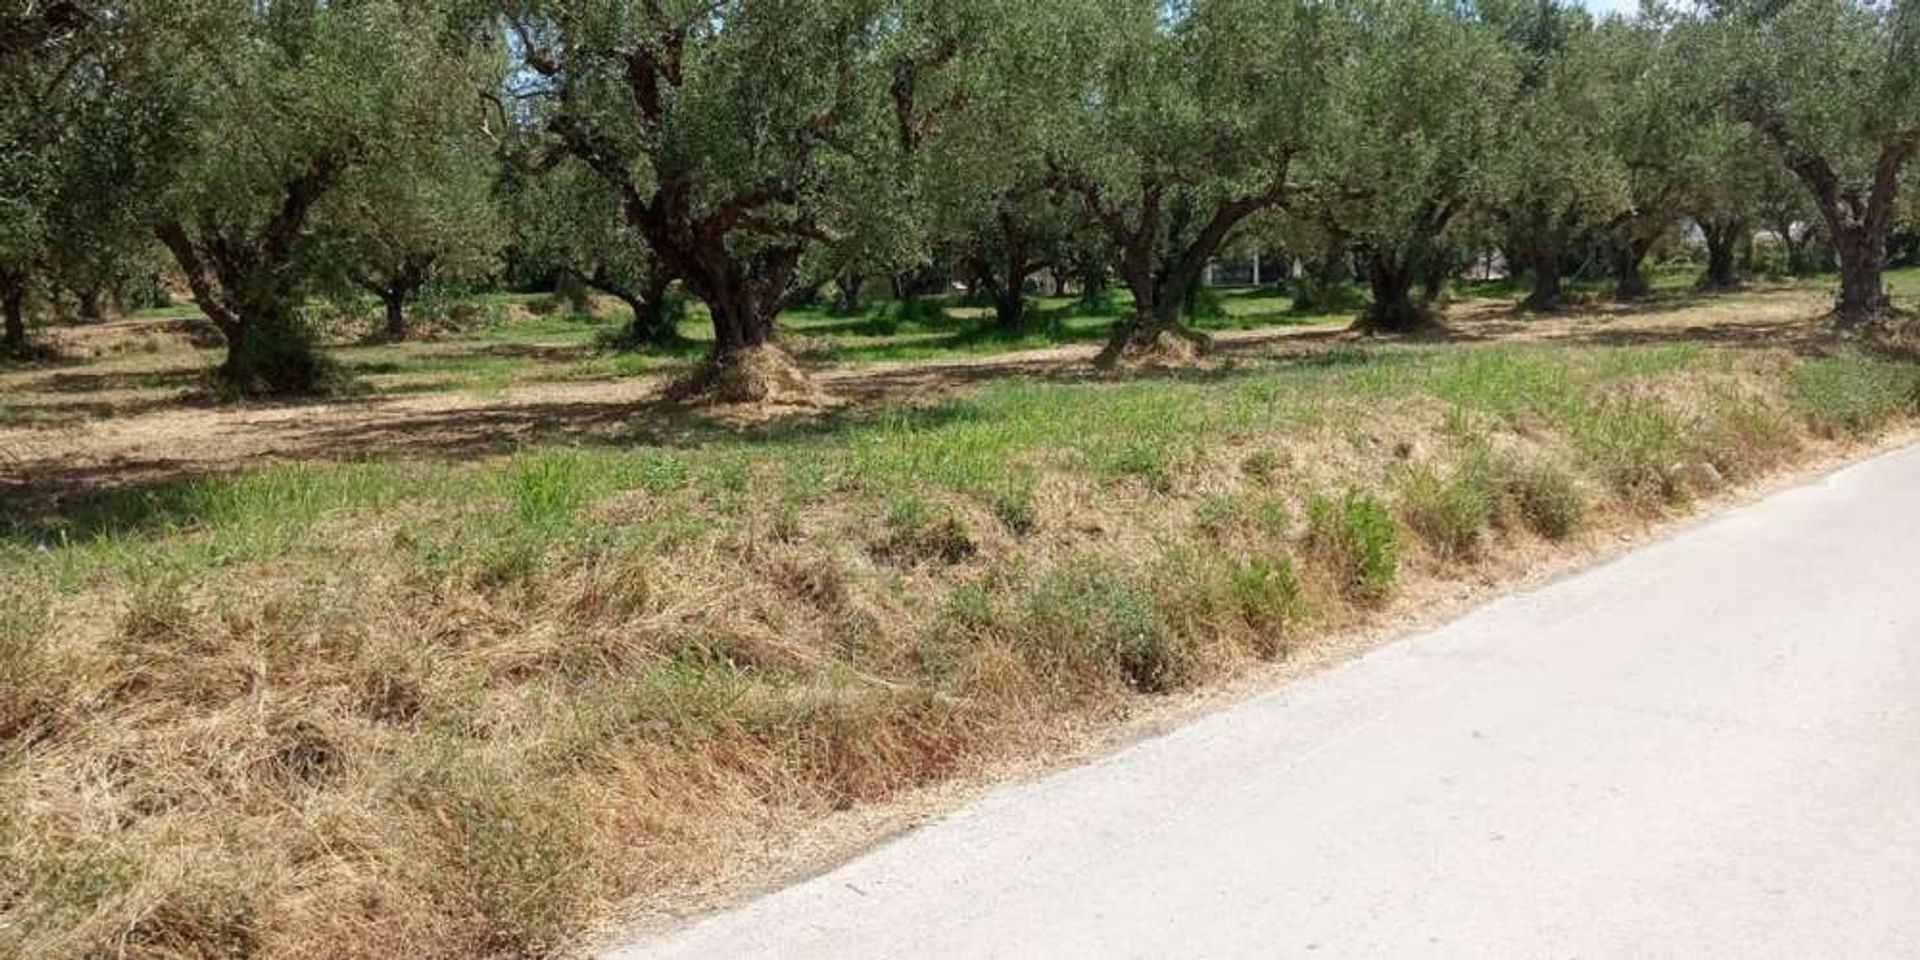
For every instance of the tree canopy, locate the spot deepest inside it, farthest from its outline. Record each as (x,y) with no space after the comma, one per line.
(751,152)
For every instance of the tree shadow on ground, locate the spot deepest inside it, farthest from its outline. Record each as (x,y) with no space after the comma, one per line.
(57,484)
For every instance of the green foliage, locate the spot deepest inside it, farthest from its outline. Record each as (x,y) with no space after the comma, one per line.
(546,490)
(1639,445)
(1548,499)
(1090,613)
(1358,536)
(1451,512)
(1268,593)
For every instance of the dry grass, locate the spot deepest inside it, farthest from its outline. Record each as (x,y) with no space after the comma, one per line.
(437,708)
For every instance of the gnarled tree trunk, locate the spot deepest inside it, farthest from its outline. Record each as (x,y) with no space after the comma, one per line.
(1857,219)
(649,324)
(849,285)
(13,302)
(1390,279)
(246,284)
(1163,266)
(1007,286)
(1629,278)
(1723,247)
(1548,291)
(91,302)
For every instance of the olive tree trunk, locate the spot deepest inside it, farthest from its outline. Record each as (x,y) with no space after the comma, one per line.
(1390,279)
(1629,274)
(1723,247)
(1548,292)
(13,299)
(247,285)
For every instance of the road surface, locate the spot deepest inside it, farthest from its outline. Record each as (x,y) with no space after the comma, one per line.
(1706,748)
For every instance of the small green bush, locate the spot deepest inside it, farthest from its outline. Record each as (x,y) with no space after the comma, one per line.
(1268,592)
(1548,500)
(1260,464)
(1637,445)
(1013,505)
(1145,461)
(1451,513)
(1109,618)
(1358,535)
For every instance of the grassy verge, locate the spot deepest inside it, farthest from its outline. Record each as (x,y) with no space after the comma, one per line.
(451,709)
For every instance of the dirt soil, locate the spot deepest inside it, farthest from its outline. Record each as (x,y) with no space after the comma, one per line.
(126,427)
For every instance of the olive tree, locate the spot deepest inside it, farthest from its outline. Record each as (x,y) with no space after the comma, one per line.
(734,132)
(290,102)
(428,217)
(1557,179)
(1655,128)
(1834,87)
(984,175)
(1416,113)
(1727,185)
(76,127)
(567,221)
(1177,124)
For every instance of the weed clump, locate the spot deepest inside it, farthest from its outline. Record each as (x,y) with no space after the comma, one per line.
(1357,535)
(1269,596)
(1087,622)
(1852,395)
(1451,513)
(1548,500)
(920,532)
(1097,615)
(1639,446)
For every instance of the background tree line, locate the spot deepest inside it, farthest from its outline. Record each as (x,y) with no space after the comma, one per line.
(750,154)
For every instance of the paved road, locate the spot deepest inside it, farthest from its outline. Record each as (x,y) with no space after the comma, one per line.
(1707,748)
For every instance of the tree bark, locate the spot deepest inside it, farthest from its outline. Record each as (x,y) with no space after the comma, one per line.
(1857,220)
(1392,310)
(395,300)
(1548,290)
(1723,247)
(1433,279)
(649,326)
(13,298)
(1862,294)
(92,310)
(247,286)
(1008,288)
(849,286)
(1630,280)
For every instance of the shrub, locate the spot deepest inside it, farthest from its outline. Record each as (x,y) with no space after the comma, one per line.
(1260,464)
(1636,444)
(1268,593)
(1145,461)
(1548,500)
(1112,620)
(1217,513)
(1450,513)
(1013,505)
(1358,535)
